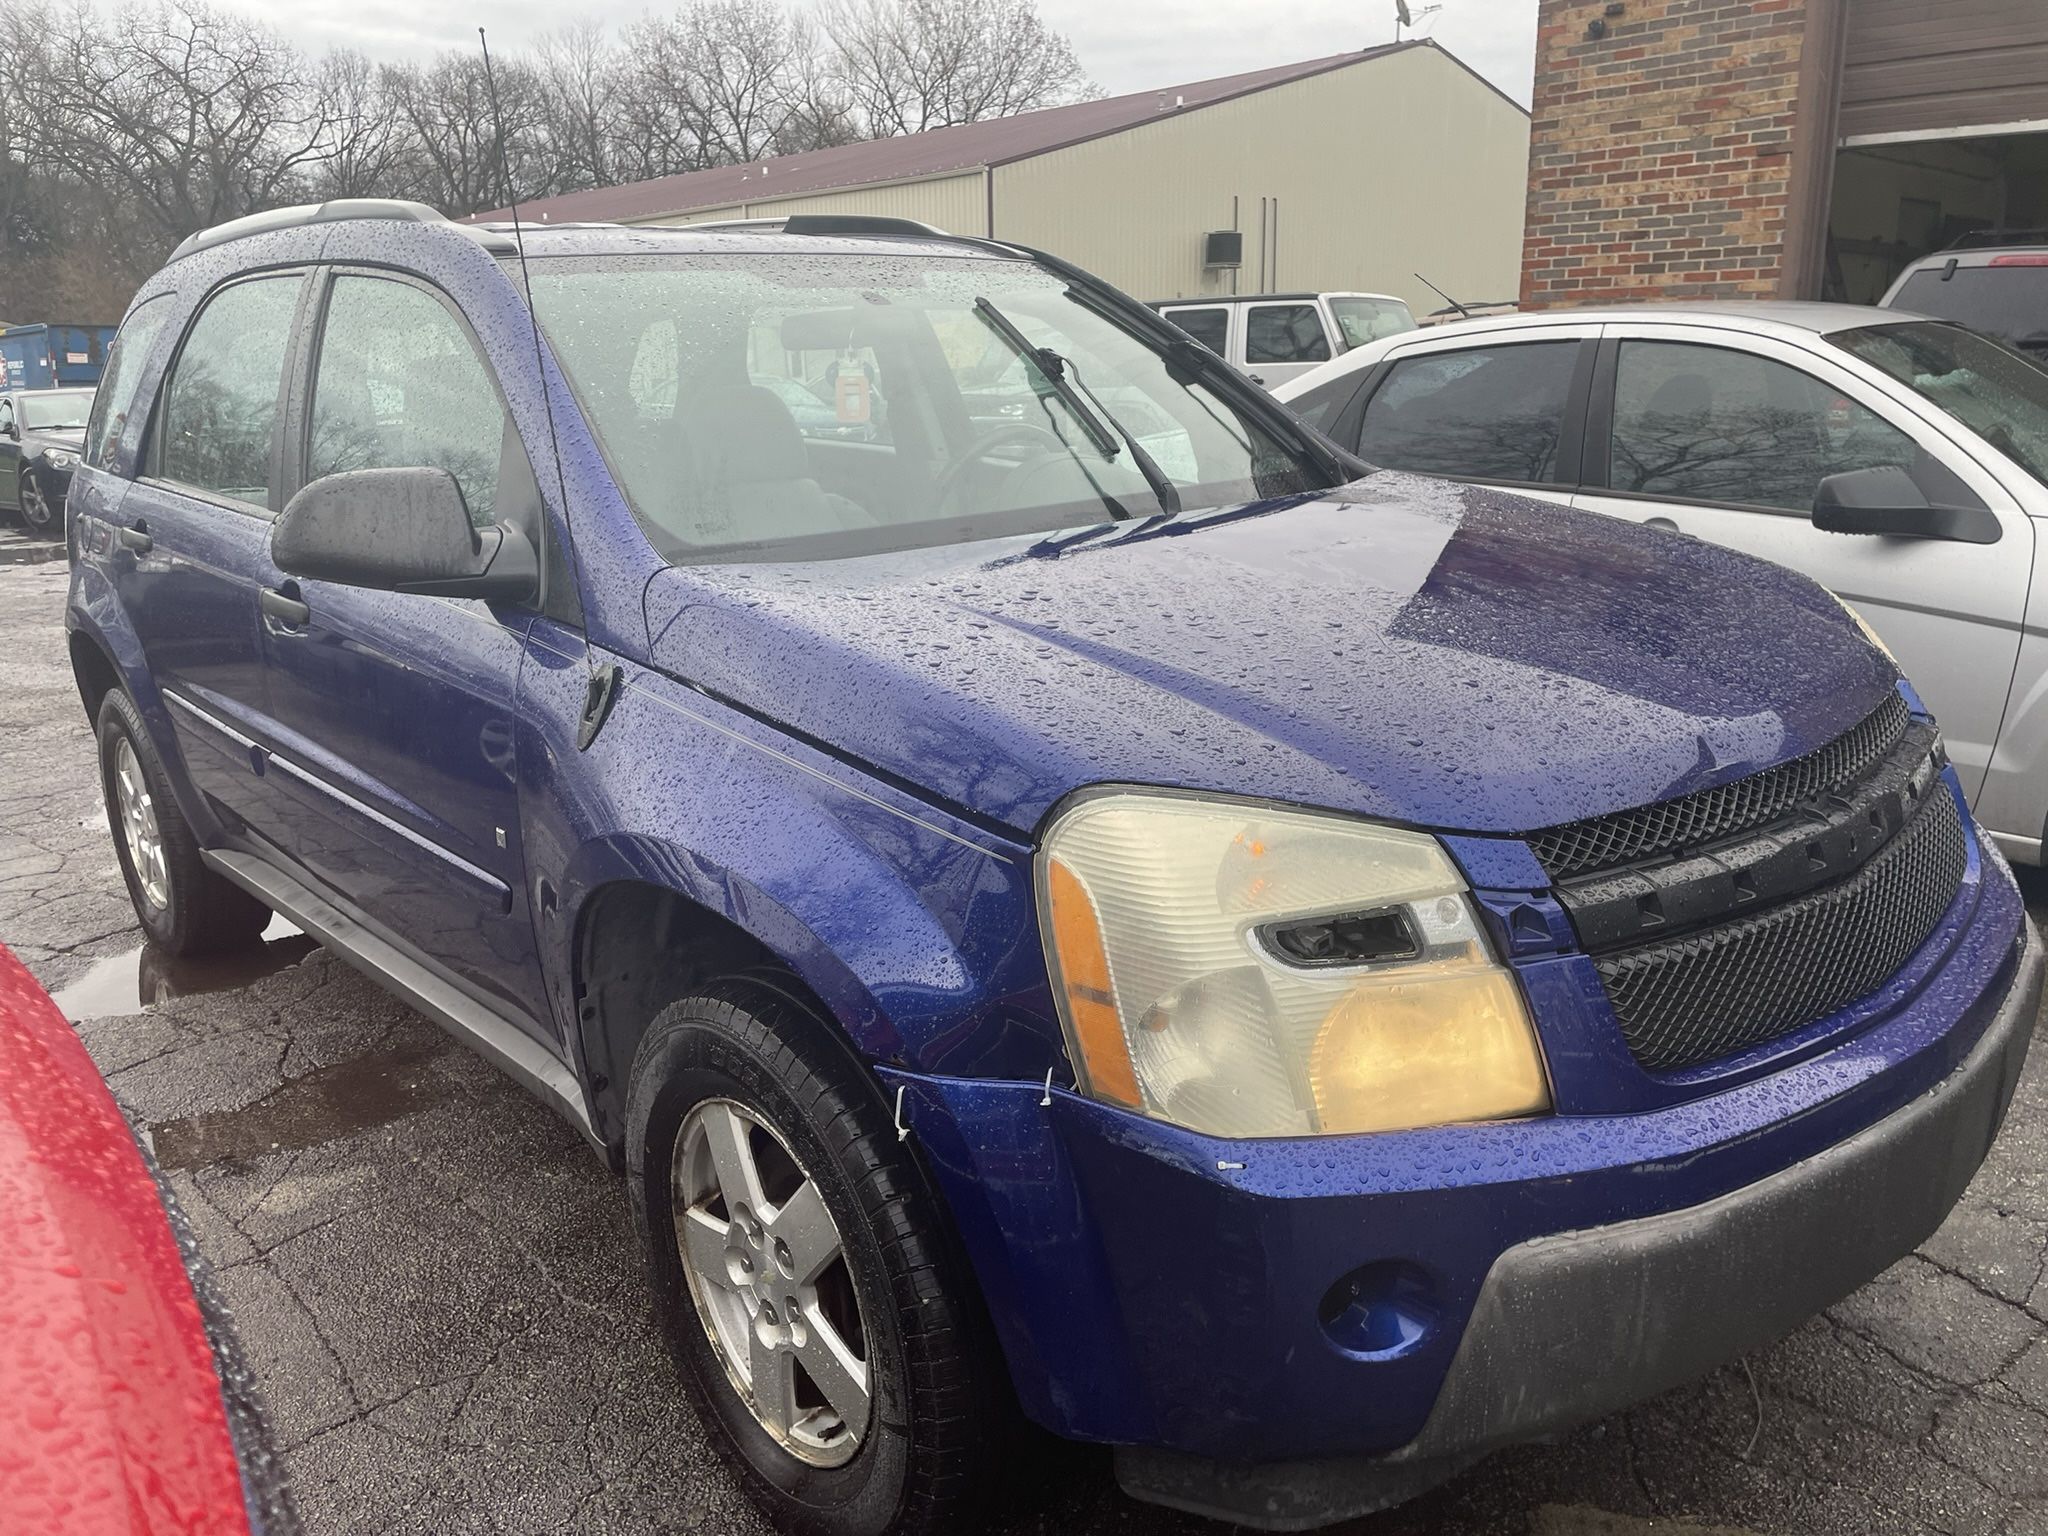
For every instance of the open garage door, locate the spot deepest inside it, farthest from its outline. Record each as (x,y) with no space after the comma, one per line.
(1897,200)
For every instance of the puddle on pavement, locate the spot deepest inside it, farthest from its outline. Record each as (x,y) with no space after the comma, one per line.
(310,1109)
(127,983)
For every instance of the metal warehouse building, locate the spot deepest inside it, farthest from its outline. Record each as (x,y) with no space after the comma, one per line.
(1350,172)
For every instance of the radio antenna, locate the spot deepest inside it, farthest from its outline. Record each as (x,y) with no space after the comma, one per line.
(603,682)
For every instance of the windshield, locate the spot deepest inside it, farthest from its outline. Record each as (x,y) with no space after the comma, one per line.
(2009,302)
(766,405)
(1996,392)
(60,410)
(1362,320)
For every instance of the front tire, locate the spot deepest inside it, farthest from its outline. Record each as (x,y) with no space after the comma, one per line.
(184,907)
(805,1274)
(41,512)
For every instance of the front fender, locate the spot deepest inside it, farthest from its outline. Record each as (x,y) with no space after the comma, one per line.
(915,930)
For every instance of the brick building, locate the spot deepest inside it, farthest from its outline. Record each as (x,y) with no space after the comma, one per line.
(1776,148)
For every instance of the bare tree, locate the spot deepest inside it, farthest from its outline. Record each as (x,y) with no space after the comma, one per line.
(454,132)
(367,142)
(910,65)
(581,78)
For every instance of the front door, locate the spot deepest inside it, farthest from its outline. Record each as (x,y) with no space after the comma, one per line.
(1283,340)
(392,714)
(1726,436)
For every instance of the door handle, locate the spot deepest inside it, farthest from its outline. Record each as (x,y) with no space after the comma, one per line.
(138,539)
(283,605)
(1661,522)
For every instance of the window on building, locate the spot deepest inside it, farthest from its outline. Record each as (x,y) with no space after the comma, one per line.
(1491,413)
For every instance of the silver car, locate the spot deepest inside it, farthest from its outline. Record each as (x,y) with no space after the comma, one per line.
(1900,461)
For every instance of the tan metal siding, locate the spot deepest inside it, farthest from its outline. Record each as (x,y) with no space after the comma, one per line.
(956,204)
(1928,65)
(1381,169)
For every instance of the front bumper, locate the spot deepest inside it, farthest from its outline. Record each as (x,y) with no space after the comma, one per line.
(1576,1325)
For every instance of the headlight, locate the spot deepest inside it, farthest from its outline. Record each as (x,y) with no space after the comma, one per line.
(59,458)
(1243,970)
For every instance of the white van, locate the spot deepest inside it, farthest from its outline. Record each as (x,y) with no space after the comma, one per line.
(1274,336)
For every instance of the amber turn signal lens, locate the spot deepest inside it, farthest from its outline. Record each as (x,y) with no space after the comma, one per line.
(1084,976)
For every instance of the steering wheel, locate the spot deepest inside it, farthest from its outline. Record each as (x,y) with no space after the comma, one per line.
(955,473)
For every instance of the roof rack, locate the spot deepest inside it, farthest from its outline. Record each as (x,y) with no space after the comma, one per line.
(309,213)
(1990,239)
(826,224)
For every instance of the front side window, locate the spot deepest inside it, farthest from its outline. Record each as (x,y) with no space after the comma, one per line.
(1211,327)
(1491,413)
(820,405)
(1998,394)
(1285,333)
(116,395)
(1709,424)
(6,413)
(399,385)
(219,415)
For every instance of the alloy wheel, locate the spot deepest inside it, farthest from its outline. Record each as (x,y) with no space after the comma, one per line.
(36,510)
(139,829)
(768,1274)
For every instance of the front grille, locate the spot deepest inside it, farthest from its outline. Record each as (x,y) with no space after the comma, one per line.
(1706,814)
(1720,990)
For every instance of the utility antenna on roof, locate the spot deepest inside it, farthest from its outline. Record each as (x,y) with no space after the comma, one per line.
(602,686)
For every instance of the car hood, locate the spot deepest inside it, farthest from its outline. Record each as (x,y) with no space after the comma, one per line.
(36,439)
(1413,649)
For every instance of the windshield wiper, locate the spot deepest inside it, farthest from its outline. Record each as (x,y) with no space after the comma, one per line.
(1065,381)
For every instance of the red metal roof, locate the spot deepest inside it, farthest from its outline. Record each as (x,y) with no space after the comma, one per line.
(937,151)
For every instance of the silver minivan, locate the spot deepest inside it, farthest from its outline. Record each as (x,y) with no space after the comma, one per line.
(1278,336)
(1901,462)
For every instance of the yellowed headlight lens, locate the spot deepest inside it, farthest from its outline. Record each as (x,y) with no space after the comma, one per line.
(1174,926)
(1440,1045)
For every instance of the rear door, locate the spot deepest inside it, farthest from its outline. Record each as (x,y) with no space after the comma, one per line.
(1284,339)
(190,547)
(392,714)
(1726,436)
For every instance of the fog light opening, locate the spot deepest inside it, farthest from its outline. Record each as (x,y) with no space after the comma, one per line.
(1381,1311)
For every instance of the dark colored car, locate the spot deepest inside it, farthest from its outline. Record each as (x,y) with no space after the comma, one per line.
(1300,973)
(41,432)
(128,1410)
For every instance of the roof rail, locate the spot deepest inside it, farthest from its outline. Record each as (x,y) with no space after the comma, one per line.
(1990,239)
(825,224)
(309,213)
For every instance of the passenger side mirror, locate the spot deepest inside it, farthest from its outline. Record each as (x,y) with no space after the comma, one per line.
(9,429)
(1886,500)
(400,530)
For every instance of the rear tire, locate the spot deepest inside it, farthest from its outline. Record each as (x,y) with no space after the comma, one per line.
(825,1160)
(184,907)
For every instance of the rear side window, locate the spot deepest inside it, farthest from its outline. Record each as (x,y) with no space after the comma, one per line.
(1285,333)
(219,415)
(1709,424)
(400,385)
(116,396)
(2008,302)
(1211,327)
(1320,407)
(1493,413)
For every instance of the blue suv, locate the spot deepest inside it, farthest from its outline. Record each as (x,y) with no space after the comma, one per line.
(1089,905)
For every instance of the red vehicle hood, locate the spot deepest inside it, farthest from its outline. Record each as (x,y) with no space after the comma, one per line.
(112,1420)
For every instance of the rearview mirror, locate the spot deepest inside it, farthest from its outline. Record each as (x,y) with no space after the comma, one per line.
(1888,501)
(400,530)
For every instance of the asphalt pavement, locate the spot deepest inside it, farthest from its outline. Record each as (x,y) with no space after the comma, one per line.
(439,1290)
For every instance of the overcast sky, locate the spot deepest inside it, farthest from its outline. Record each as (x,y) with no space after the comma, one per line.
(1127,45)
